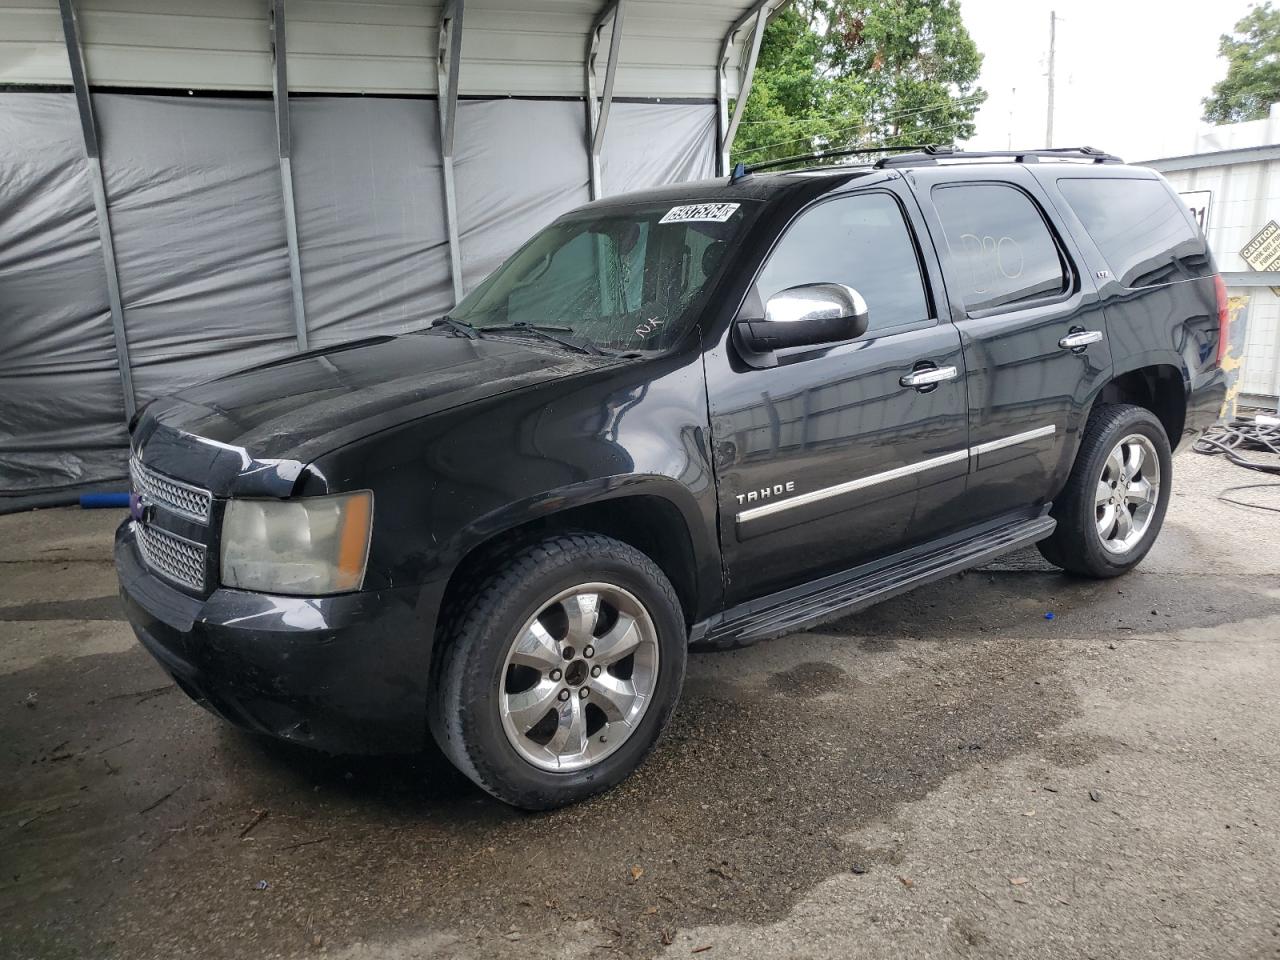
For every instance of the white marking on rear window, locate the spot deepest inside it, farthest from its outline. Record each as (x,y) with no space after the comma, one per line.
(700,212)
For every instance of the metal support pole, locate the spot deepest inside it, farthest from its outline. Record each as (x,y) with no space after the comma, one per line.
(89,131)
(598,113)
(728,127)
(284,145)
(447,61)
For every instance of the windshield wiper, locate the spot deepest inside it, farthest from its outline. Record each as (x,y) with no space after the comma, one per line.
(460,326)
(545,331)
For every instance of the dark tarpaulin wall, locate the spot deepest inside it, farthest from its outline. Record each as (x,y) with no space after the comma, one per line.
(370,209)
(647,144)
(518,165)
(193,188)
(62,418)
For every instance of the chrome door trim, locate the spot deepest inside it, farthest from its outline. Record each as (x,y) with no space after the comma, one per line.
(897,473)
(1014,440)
(814,496)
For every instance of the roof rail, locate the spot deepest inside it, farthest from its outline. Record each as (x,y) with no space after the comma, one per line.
(931,155)
(742,169)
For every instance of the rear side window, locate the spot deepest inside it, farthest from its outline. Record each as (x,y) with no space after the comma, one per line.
(861,241)
(1141,230)
(1000,243)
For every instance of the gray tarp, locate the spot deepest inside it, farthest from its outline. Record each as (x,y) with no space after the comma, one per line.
(193,188)
(518,164)
(647,144)
(62,417)
(366,182)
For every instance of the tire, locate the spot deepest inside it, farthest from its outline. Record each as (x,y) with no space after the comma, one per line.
(1079,544)
(498,667)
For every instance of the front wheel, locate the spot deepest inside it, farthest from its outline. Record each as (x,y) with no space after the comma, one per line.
(1110,512)
(561,671)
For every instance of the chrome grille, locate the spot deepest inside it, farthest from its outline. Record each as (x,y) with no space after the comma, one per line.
(172,557)
(177,496)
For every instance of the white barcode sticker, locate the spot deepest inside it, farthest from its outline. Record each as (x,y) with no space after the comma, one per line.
(700,212)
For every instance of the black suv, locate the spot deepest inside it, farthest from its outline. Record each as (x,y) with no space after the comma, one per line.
(705,414)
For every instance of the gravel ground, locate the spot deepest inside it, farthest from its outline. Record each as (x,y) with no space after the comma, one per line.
(948,774)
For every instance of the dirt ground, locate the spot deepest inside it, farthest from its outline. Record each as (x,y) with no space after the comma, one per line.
(950,774)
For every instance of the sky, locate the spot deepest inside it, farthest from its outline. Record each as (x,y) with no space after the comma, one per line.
(1130,73)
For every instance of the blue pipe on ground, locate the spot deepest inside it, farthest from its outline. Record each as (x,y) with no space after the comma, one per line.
(98,501)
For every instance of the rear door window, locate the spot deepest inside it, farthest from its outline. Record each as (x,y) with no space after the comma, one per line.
(861,241)
(1000,244)
(1143,232)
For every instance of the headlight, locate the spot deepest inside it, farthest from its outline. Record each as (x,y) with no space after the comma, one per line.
(310,546)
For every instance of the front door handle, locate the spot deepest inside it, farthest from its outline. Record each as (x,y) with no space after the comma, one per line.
(927,377)
(1079,339)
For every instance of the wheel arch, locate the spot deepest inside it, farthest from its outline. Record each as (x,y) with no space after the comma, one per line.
(664,524)
(1158,387)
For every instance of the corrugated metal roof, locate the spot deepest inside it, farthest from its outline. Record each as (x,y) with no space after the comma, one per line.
(536,48)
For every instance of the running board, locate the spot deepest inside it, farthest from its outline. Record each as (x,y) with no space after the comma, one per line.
(850,591)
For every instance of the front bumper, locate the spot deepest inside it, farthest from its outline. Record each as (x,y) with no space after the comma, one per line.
(344,674)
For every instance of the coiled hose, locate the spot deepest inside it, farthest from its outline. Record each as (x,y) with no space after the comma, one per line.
(1243,433)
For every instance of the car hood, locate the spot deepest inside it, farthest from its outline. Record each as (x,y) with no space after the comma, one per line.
(251,433)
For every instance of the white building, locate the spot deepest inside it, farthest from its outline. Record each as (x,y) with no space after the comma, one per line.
(1231,179)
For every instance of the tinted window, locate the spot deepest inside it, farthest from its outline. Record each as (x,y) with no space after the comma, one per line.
(1000,243)
(859,241)
(1141,230)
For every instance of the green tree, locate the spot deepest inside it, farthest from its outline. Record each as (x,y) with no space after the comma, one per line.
(1252,82)
(839,74)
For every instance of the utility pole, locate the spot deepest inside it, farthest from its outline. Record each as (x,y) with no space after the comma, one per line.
(1053,31)
(1013,96)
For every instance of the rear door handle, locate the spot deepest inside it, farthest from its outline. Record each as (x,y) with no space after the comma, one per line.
(928,377)
(1079,339)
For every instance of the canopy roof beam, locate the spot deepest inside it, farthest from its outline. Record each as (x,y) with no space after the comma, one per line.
(89,132)
(598,111)
(448,61)
(728,126)
(284,148)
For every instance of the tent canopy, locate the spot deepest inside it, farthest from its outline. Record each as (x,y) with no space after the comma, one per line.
(534,48)
(228,183)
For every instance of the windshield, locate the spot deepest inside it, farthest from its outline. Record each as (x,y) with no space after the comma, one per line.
(630,279)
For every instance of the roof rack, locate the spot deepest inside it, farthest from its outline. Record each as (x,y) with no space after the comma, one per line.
(931,155)
(742,169)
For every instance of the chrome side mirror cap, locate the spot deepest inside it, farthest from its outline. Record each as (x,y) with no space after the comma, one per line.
(811,314)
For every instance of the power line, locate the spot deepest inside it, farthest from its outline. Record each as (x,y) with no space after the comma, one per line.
(871,145)
(825,120)
(866,124)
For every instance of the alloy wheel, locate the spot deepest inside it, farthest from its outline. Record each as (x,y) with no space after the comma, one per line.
(578,677)
(1127,493)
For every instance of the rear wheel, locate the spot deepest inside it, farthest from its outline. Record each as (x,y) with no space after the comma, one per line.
(1111,510)
(561,671)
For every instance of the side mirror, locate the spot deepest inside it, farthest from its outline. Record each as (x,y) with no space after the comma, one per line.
(808,315)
